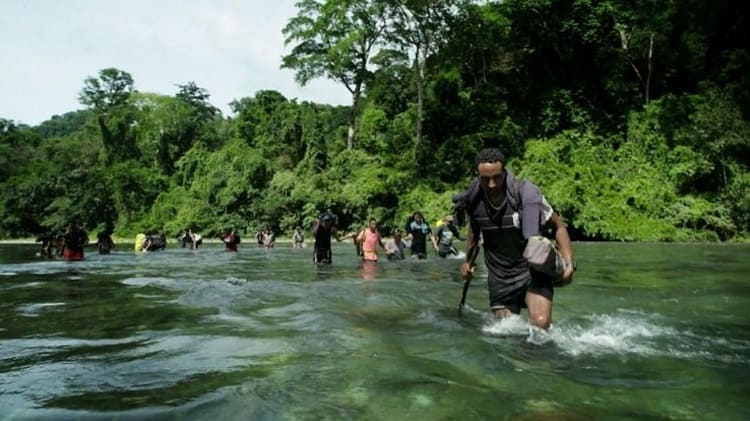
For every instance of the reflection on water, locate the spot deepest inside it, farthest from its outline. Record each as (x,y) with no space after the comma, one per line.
(369,270)
(646,331)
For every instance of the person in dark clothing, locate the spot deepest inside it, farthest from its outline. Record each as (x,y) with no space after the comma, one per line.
(323,229)
(445,235)
(104,242)
(52,243)
(505,212)
(155,242)
(76,239)
(231,240)
(418,231)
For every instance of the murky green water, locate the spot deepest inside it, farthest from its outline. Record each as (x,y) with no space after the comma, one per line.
(644,332)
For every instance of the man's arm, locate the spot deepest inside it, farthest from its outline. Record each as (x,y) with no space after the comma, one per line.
(472,249)
(334,233)
(315,227)
(564,246)
(455,232)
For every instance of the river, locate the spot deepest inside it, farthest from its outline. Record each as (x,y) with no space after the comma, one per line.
(646,331)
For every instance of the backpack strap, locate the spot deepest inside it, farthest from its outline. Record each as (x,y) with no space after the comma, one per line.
(519,198)
(472,196)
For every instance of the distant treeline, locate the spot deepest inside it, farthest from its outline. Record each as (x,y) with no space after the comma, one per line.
(631,116)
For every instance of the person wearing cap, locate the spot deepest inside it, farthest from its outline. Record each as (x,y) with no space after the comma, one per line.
(323,229)
(445,235)
(505,212)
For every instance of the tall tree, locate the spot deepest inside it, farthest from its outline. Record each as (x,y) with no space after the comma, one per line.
(111,89)
(418,27)
(184,120)
(167,128)
(335,39)
(109,97)
(197,98)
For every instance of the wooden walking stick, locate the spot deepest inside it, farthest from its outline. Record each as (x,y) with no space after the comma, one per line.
(473,253)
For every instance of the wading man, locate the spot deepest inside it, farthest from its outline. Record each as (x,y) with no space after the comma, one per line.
(323,229)
(505,212)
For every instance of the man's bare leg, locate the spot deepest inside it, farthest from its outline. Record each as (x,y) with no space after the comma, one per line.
(540,310)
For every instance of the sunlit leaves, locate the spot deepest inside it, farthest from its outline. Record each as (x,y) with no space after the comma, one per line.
(111,89)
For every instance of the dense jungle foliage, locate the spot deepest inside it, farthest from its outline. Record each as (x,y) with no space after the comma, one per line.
(631,115)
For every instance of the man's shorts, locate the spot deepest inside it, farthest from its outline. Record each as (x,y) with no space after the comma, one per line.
(513,296)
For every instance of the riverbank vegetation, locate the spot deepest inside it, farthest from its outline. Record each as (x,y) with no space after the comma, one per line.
(632,116)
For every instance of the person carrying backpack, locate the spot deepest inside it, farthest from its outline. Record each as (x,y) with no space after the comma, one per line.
(505,212)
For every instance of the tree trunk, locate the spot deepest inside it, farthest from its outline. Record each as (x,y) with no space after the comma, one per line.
(420,98)
(650,65)
(107,140)
(352,117)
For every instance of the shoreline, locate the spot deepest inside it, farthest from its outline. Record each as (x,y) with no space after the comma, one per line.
(20,241)
(288,240)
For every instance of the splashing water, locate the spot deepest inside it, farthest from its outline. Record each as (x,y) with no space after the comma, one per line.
(620,333)
(624,333)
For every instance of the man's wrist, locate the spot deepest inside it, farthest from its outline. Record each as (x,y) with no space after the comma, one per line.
(569,264)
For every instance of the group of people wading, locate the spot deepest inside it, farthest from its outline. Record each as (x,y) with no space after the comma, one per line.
(69,243)
(504,215)
(415,237)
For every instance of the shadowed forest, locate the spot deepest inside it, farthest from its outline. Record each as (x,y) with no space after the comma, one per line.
(632,116)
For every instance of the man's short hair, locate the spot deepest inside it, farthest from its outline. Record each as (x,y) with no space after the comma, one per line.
(490,155)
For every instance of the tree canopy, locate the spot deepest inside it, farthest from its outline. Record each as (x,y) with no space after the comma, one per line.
(631,116)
